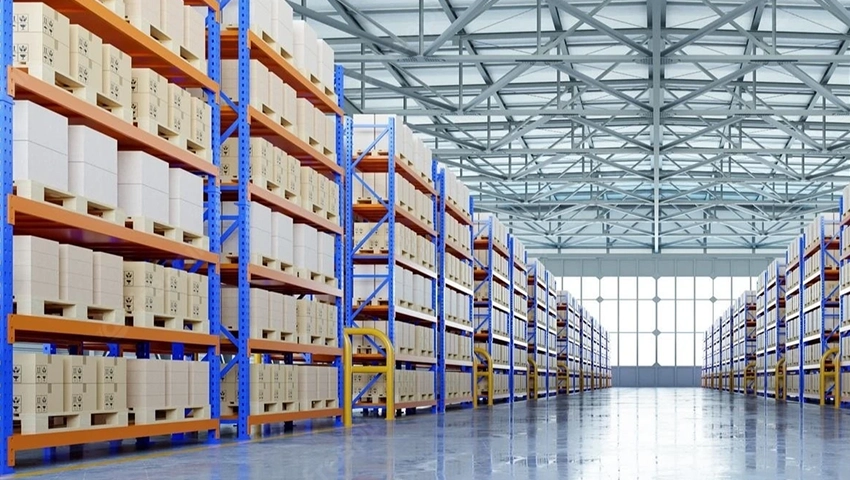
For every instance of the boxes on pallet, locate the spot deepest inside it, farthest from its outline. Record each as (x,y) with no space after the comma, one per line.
(305,318)
(179,104)
(146,15)
(326,64)
(258,88)
(200,127)
(282,316)
(282,238)
(198,297)
(304,120)
(260,155)
(261,234)
(260,21)
(86,60)
(38,28)
(92,165)
(326,254)
(141,189)
(186,200)
(305,243)
(275,102)
(144,288)
(36,270)
(177,383)
(260,384)
(117,80)
(107,280)
(111,384)
(283,29)
(306,53)
(176,292)
(289,114)
(76,271)
(199,384)
(149,94)
(146,384)
(37,384)
(193,45)
(40,148)
(307,190)
(171,21)
(80,378)
(259,319)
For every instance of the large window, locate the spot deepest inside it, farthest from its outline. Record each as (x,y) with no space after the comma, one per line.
(656,321)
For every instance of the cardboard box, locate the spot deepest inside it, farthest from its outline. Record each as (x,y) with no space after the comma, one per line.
(36,268)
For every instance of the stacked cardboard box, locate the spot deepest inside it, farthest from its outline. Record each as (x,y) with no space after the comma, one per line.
(39,28)
(40,149)
(186,201)
(86,62)
(93,165)
(458,386)
(409,287)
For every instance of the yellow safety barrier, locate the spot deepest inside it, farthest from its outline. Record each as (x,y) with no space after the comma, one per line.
(581,380)
(779,388)
(829,356)
(349,369)
(532,378)
(750,378)
(563,378)
(487,374)
(731,381)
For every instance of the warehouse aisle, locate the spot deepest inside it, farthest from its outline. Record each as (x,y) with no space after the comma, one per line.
(618,433)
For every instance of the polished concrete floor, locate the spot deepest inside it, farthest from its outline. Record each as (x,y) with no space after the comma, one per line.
(619,433)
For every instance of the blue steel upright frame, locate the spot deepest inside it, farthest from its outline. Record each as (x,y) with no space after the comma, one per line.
(537,323)
(551,336)
(844,285)
(761,335)
(241,223)
(516,321)
(6,257)
(353,312)
(563,339)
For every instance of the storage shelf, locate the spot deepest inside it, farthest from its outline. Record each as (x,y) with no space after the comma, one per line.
(23,86)
(263,126)
(496,305)
(56,223)
(484,244)
(63,438)
(380,164)
(457,214)
(202,3)
(276,64)
(145,51)
(458,326)
(827,243)
(402,313)
(399,406)
(277,281)
(377,357)
(483,337)
(282,417)
(458,363)
(45,329)
(279,204)
(458,251)
(459,288)
(375,212)
(261,345)
(481,274)
(369,259)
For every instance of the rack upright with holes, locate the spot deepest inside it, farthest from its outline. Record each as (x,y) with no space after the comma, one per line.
(393,247)
(27,216)
(775,329)
(565,313)
(242,119)
(844,285)
(761,335)
(794,321)
(454,270)
(518,278)
(538,326)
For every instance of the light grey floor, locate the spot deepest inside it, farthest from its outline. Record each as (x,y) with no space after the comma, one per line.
(619,433)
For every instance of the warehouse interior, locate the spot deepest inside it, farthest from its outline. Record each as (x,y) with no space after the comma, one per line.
(424,238)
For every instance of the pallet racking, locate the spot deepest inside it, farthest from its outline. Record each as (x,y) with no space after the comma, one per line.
(382,301)
(744,343)
(565,312)
(492,319)
(241,118)
(518,278)
(843,380)
(461,253)
(542,328)
(19,215)
(774,328)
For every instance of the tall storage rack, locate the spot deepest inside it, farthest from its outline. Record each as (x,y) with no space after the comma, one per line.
(492,319)
(794,320)
(19,215)
(519,319)
(820,307)
(383,210)
(844,329)
(563,347)
(606,359)
(574,344)
(761,338)
(447,319)
(744,354)
(241,118)
(774,329)
(542,328)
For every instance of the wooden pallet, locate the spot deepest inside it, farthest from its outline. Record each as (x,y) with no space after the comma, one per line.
(268,262)
(70,310)
(143,416)
(196,59)
(120,110)
(148,225)
(51,422)
(152,320)
(69,201)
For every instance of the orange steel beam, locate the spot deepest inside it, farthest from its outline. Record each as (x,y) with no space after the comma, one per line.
(375,212)
(145,51)
(23,86)
(276,280)
(281,417)
(56,223)
(276,64)
(376,163)
(404,314)
(281,205)
(104,434)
